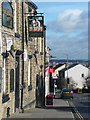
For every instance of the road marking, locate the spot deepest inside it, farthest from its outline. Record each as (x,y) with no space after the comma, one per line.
(71,112)
(76,111)
(72,115)
(78,114)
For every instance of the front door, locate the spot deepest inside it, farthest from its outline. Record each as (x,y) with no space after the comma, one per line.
(17,82)
(39,91)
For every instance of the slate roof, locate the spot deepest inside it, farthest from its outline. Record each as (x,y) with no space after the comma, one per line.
(58,65)
(70,66)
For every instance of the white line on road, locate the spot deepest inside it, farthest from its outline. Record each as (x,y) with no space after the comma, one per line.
(71,112)
(72,116)
(76,111)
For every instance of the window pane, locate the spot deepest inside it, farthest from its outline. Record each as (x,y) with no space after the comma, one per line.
(6,5)
(11,80)
(7,15)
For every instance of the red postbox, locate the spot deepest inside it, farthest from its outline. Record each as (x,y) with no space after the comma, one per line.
(49,99)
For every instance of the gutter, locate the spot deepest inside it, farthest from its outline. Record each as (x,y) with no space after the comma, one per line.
(33,5)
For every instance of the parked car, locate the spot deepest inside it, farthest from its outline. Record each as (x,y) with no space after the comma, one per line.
(67,93)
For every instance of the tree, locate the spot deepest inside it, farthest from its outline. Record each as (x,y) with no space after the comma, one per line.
(88,82)
(63,83)
(72,84)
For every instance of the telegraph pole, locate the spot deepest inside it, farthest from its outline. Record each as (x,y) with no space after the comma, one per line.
(67,68)
(67,71)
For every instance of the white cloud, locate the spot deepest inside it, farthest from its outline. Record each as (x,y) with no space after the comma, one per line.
(76,47)
(69,21)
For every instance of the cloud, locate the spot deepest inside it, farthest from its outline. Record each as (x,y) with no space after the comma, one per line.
(75,46)
(69,20)
(69,34)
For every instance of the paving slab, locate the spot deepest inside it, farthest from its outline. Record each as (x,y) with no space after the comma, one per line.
(60,109)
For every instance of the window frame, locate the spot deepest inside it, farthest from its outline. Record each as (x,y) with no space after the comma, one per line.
(29,76)
(11,80)
(12,18)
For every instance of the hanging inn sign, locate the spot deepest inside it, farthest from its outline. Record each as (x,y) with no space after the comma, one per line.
(36,24)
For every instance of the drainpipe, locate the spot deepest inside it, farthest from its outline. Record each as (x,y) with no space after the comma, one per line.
(44,32)
(22,82)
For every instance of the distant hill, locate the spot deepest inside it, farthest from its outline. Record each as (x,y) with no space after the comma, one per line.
(70,61)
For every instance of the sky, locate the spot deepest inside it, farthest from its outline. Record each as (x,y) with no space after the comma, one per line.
(67,28)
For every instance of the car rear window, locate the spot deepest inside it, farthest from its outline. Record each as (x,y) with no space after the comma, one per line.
(67,90)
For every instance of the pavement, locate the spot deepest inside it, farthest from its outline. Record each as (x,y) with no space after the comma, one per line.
(60,109)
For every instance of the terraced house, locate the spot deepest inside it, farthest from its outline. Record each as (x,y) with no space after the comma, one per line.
(22,48)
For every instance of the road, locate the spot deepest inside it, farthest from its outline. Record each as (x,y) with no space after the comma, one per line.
(62,109)
(81,102)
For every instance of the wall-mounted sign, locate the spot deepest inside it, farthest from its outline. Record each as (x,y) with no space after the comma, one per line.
(50,70)
(8,43)
(7,14)
(35,26)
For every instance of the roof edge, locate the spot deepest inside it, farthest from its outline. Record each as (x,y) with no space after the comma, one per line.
(32,4)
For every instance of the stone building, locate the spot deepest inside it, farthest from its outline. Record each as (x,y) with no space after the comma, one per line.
(47,49)
(21,59)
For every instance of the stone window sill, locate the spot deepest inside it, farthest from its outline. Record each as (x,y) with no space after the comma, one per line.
(29,87)
(5,98)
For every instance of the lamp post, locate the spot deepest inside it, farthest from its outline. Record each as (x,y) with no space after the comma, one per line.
(67,71)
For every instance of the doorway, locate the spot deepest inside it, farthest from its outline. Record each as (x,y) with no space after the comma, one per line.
(17,82)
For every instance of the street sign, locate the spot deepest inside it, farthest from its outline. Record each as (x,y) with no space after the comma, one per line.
(50,70)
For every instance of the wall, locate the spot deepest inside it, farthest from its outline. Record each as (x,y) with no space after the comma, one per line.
(75,74)
(29,96)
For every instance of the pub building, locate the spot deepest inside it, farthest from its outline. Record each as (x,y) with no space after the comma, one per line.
(21,57)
